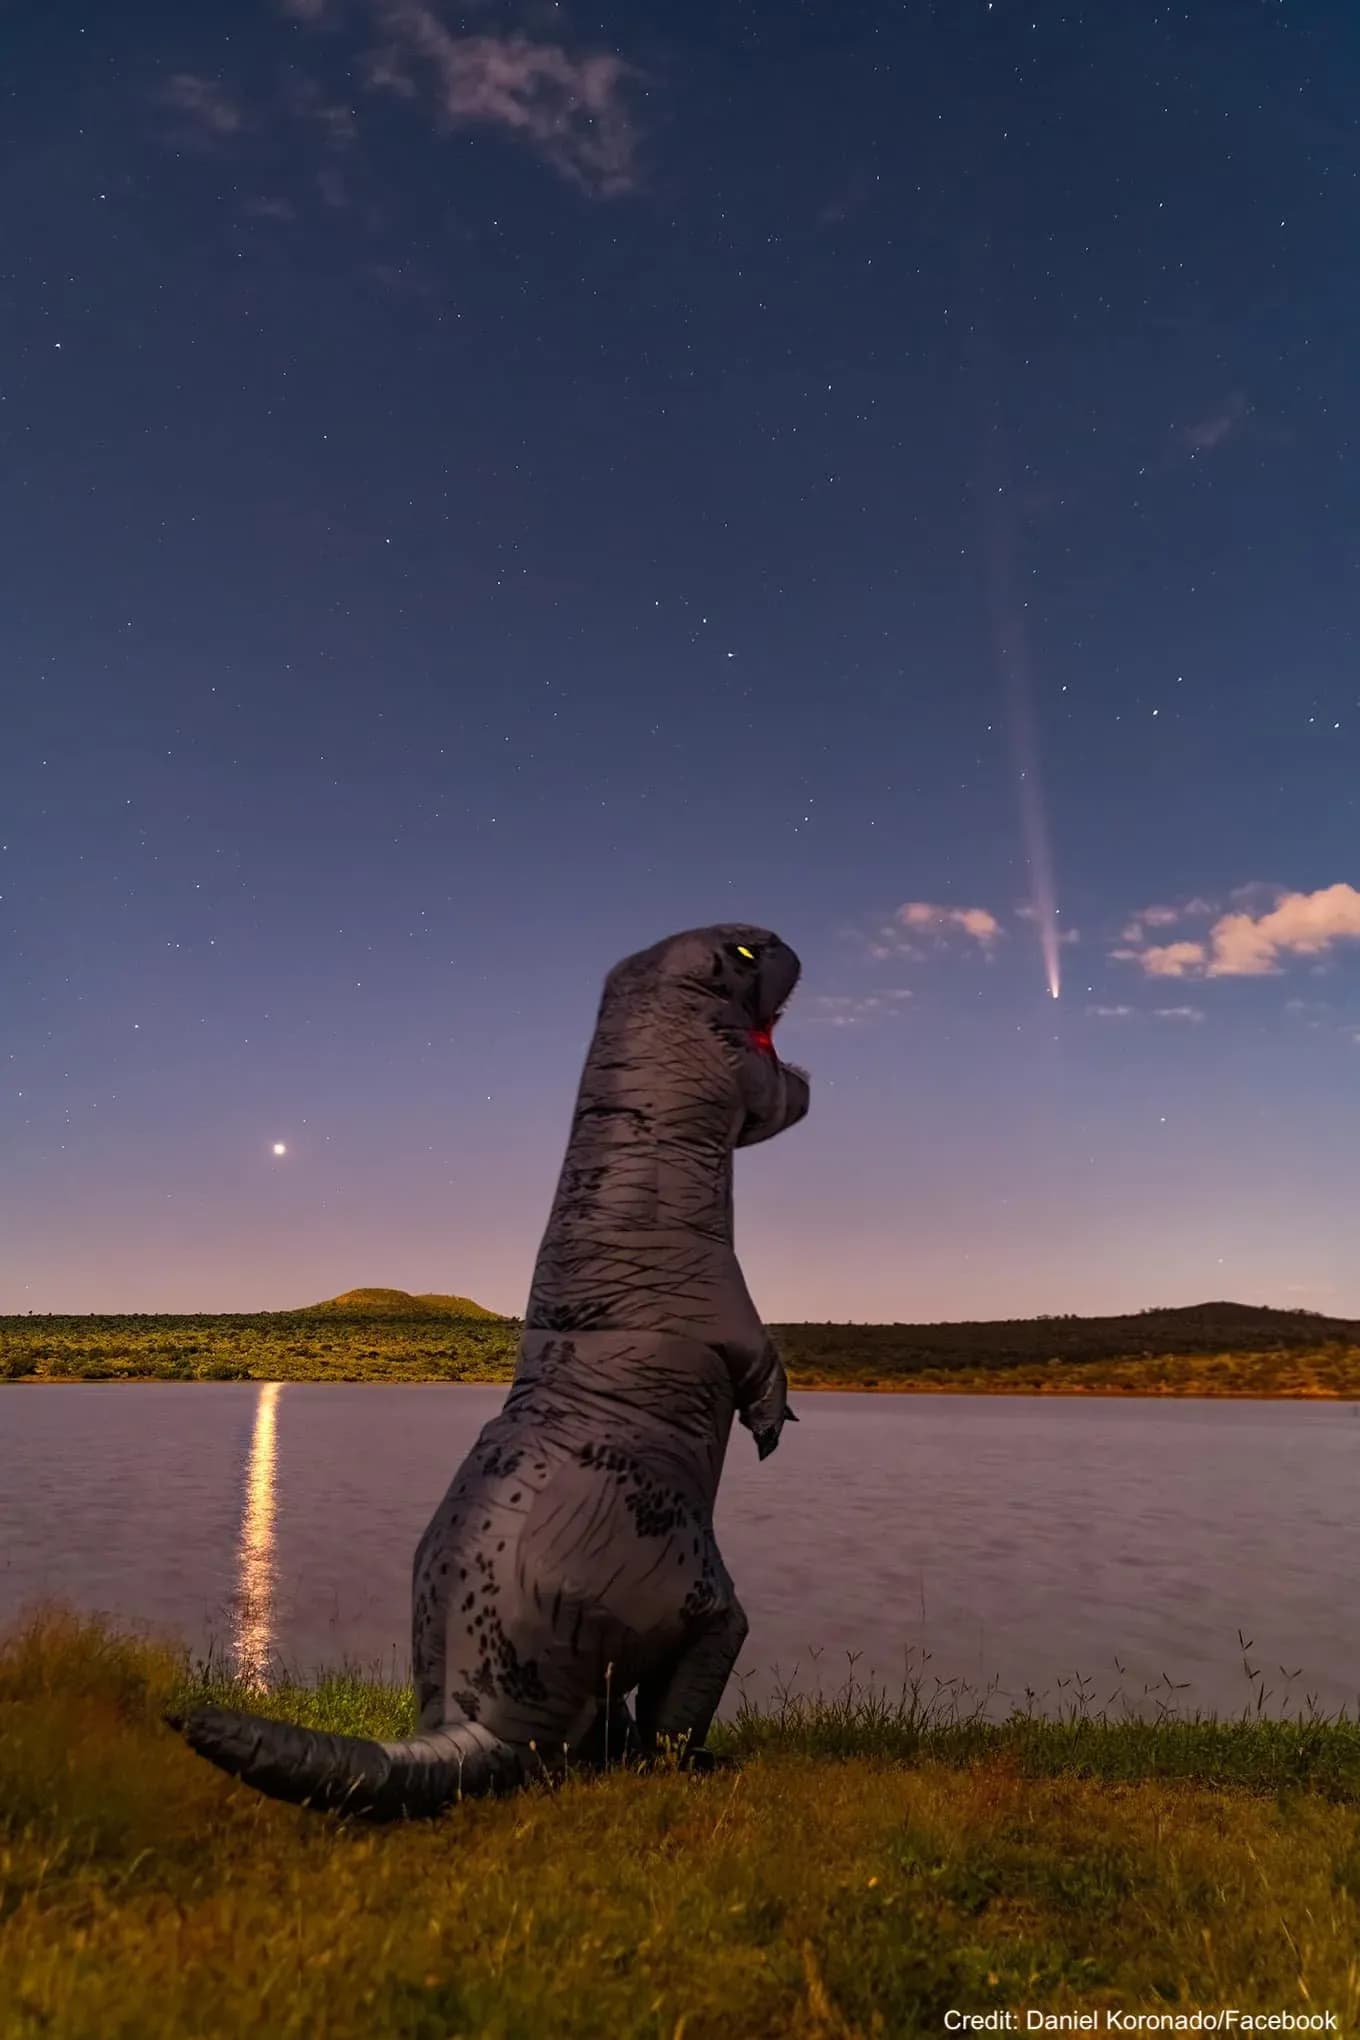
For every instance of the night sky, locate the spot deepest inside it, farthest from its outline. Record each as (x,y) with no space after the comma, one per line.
(484,488)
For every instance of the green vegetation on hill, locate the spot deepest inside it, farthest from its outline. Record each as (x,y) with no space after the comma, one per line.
(860,1868)
(400,1303)
(1210,1349)
(305,1345)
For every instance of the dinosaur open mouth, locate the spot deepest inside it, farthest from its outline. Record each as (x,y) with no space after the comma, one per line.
(767,1018)
(761,1035)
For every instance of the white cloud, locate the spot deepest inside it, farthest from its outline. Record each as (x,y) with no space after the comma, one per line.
(920,927)
(1300,924)
(1255,944)
(975,921)
(1167,959)
(1109,1012)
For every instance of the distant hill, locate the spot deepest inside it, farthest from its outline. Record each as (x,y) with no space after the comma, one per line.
(1260,1314)
(1146,1324)
(1145,1334)
(401,1303)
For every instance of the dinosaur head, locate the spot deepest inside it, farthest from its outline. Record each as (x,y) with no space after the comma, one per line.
(735,980)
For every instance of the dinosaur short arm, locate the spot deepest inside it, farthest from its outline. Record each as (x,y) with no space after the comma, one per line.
(775,1095)
(760,1387)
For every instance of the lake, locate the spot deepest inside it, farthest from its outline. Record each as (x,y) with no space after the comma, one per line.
(1002,1542)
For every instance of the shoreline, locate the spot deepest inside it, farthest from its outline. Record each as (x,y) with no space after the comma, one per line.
(1074,1393)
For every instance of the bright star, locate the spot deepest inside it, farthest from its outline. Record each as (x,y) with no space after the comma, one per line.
(279,1148)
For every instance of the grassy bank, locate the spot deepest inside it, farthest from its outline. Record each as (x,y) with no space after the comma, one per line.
(861,1868)
(1216,1349)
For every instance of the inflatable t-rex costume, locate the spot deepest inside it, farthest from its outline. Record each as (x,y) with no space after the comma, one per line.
(572,1560)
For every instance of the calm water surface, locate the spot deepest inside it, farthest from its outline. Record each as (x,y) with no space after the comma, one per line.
(1007,1541)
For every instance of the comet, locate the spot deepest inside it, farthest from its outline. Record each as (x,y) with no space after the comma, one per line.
(1013,660)
(1010,639)
(1011,647)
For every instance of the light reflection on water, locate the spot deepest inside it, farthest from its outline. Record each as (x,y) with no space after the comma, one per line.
(256,1567)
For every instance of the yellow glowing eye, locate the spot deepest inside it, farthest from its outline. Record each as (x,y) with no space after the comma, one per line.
(742,950)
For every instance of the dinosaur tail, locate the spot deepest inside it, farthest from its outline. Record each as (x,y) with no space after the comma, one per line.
(348,1773)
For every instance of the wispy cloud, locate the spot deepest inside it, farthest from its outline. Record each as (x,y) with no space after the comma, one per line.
(1217,426)
(982,926)
(1166,917)
(573,109)
(843,1010)
(336,121)
(1249,942)
(1311,1012)
(1191,1014)
(269,209)
(206,104)
(851,196)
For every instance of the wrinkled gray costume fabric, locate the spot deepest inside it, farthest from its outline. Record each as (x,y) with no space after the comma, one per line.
(572,1561)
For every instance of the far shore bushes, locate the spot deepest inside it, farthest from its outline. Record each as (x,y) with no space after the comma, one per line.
(1212,1350)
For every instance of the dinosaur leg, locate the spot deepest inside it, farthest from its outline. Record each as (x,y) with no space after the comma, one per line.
(678,1701)
(611,1739)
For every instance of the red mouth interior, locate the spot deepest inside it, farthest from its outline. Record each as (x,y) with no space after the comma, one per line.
(761,1037)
